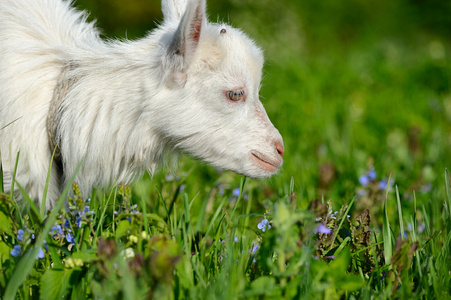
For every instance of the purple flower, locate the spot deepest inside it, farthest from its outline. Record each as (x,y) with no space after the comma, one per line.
(133,209)
(67,223)
(40,254)
(383,185)
(87,211)
(334,215)
(57,230)
(372,174)
(263,225)
(255,248)
(361,193)
(16,251)
(409,226)
(421,228)
(78,222)
(364,180)
(70,238)
(235,239)
(20,234)
(236,192)
(221,190)
(169,177)
(322,229)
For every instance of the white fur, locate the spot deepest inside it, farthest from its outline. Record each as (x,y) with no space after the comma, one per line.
(120,107)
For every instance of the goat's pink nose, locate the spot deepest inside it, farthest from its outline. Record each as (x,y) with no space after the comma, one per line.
(279,148)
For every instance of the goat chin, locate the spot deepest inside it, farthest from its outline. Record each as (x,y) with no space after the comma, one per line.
(120,107)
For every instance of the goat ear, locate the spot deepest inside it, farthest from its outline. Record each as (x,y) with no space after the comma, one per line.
(184,43)
(173,9)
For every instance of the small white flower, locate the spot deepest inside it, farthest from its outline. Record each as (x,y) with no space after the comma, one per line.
(128,253)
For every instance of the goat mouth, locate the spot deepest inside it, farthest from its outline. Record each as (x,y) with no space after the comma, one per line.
(268,164)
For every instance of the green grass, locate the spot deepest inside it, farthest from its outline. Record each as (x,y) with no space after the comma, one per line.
(351,88)
(218,251)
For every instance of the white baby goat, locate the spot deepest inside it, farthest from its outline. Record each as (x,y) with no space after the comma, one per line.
(119,107)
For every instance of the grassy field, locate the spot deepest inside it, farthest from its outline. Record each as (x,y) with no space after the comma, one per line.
(361,93)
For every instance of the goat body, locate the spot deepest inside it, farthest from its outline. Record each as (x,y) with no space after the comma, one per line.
(118,107)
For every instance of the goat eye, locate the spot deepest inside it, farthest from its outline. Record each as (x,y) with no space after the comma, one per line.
(235,95)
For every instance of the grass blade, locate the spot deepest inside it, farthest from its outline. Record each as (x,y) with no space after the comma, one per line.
(341,223)
(46,188)
(386,232)
(13,180)
(448,194)
(401,223)
(31,204)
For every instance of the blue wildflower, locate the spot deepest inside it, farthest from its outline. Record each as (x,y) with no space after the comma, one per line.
(70,238)
(361,193)
(87,211)
(16,251)
(20,234)
(255,248)
(409,226)
(421,228)
(334,215)
(235,239)
(364,180)
(67,223)
(57,230)
(133,209)
(322,229)
(263,225)
(170,177)
(40,254)
(236,192)
(221,190)
(78,222)
(331,257)
(372,174)
(383,185)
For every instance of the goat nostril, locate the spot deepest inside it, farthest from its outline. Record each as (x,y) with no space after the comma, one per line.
(279,148)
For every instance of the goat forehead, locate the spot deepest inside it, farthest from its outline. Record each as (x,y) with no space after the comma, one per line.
(241,55)
(233,43)
(239,44)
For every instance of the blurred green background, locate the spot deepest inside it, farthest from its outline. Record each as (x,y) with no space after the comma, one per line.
(351,85)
